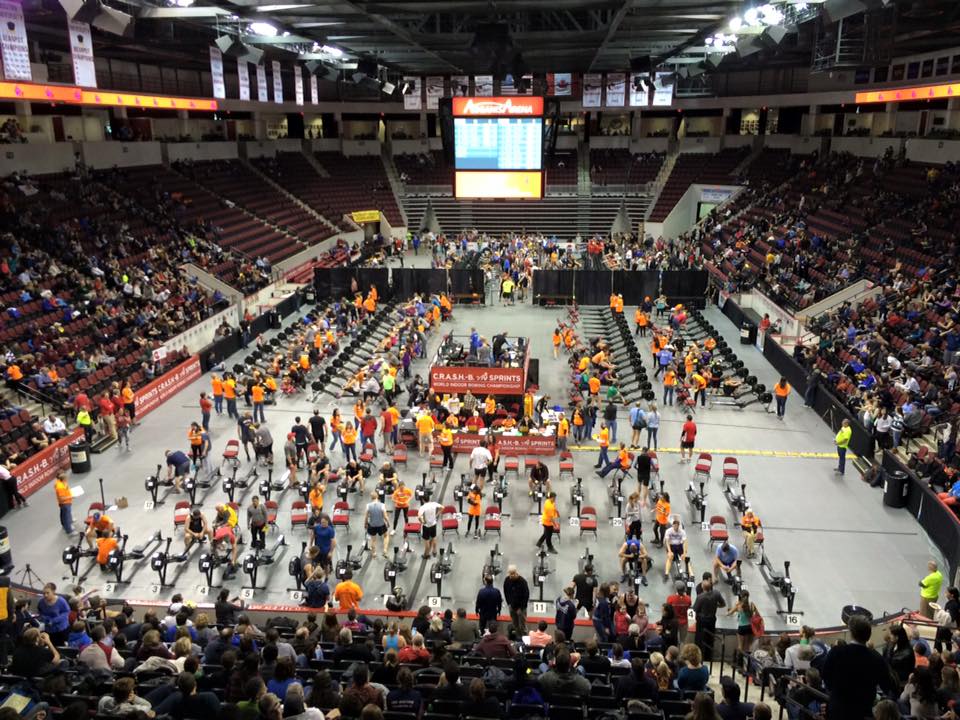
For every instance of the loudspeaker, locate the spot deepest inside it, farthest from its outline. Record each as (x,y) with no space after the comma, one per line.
(99,15)
(835,10)
(230,46)
(747,46)
(695,70)
(773,35)
(713,60)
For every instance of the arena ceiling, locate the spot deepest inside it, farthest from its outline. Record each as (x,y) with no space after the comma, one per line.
(466,36)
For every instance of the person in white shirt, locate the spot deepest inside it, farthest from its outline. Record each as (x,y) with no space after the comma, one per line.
(798,655)
(99,655)
(675,540)
(480,458)
(54,427)
(429,514)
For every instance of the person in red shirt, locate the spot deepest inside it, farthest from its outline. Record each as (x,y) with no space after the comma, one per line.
(680,602)
(82,400)
(206,407)
(688,437)
(107,418)
(368,431)
(386,427)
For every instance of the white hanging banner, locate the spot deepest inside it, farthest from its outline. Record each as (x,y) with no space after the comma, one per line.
(277,83)
(663,90)
(262,84)
(298,84)
(81,52)
(412,100)
(216,73)
(314,94)
(616,89)
(592,89)
(434,86)
(243,77)
(13,42)
(641,97)
(459,85)
(559,84)
(483,85)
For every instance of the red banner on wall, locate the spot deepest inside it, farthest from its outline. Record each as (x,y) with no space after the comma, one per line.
(479,380)
(37,471)
(508,444)
(153,395)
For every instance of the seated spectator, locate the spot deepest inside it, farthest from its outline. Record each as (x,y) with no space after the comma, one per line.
(494,644)
(694,674)
(638,684)
(448,687)
(54,427)
(123,700)
(360,693)
(561,679)
(481,705)
(34,654)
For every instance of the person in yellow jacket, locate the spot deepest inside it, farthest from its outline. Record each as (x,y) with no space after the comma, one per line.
(446,445)
(86,422)
(550,520)
(843,442)
(528,404)
(603,439)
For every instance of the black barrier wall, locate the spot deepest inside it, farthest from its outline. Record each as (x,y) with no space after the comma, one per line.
(593,287)
(335,283)
(934,517)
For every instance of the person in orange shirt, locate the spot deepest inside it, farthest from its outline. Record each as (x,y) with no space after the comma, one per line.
(550,522)
(14,375)
(594,385)
(370,305)
(556,343)
(600,360)
(489,410)
(349,441)
(359,409)
(195,435)
(781,390)
(750,524)
(446,445)
(105,545)
(618,305)
(474,501)
(661,518)
(257,396)
(699,384)
(347,593)
(569,338)
(578,424)
(563,432)
(425,427)
(64,502)
(401,502)
(336,426)
(230,395)
(613,301)
(446,309)
(669,385)
(315,497)
(270,388)
(129,400)
(604,441)
(304,362)
(98,525)
(583,363)
(642,321)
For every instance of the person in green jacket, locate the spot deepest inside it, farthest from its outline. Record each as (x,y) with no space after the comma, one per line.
(843,442)
(930,589)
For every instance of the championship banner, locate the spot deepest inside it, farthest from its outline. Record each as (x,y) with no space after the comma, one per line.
(434,85)
(459,85)
(641,97)
(32,474)
(277,82)
(243,78)
(81,52)
(479,380)
(663,90)
(483,85)
(559,84)
(507,444)
(157,392)
(314,93)
(592,89)
(262,83)
(13,42)
(413,99)
(616,89)
(216,73)
(298,84)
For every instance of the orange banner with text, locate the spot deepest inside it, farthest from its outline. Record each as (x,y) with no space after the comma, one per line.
(923,92)
(506,184)
(79,96)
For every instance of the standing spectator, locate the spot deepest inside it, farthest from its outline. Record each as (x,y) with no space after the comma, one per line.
(205,408)
(550,522)
(708,602)
(843,442)
(566,611)
(688,438)
(853,673)
(108,420)
(781,390)
(64,502)
(930,589)
(9,481)
(516,592)
(55,613)
(489,602)
(216,386)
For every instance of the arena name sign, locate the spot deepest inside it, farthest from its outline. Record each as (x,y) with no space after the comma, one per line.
(155,394)
(498,106)
(479,380)
(43,467)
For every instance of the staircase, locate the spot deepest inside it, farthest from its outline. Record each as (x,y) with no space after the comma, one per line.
(308,154)
(399,191)
(748,160)
(656,187)
(584,185)
(292,198)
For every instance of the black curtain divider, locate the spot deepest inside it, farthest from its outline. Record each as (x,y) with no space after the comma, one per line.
(553,283)
(430,281)
(934,517)
(467,281)
(635,286)
(593,286)
(404,282)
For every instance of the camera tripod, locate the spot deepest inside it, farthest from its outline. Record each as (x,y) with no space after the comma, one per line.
(28,578)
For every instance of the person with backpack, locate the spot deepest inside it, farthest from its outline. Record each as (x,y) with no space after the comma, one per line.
(638,422)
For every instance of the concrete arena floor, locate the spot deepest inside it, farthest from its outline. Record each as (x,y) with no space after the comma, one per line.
(844,545)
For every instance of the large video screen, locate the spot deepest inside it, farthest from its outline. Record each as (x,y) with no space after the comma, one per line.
(498,147)
(505,143)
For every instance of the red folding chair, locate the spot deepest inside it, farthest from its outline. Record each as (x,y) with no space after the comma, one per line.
(412,526)
(588,520)
(654,466)
(436,458)
(701,470)
(366,455)
(718,530)
(731,470)
(181,511)
(341,515)
(273,508)
(449,521)
(231,454)
(491,520)
(529,463)
(511,465)
(400,455)
(299,513)
(566,465)
(313,452)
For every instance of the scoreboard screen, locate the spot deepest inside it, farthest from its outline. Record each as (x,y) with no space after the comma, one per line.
(498,147)
(505,143)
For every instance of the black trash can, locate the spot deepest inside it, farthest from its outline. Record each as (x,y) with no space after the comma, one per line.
(849,611)
(896,489)
(6,559)
(748,333)
(80,456)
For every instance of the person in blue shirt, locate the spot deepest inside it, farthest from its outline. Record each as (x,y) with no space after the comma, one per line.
(632,551)
(54,611)
(318,591)
(664,358)
(324,539)
(178,467)
(725,560)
